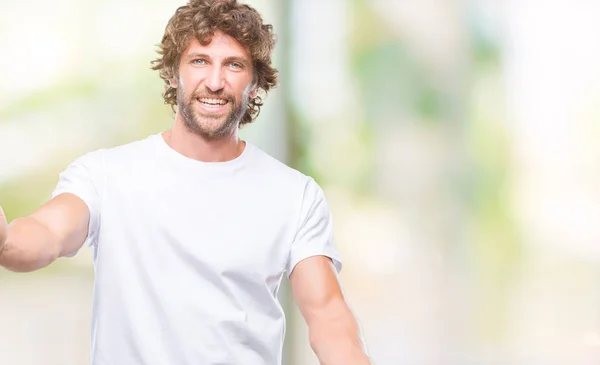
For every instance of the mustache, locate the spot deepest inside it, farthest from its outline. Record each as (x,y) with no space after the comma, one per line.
(211,94)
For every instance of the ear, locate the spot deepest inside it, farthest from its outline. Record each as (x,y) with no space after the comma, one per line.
(254,92)
(173,83)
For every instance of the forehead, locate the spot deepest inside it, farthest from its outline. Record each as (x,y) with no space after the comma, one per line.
(220,45)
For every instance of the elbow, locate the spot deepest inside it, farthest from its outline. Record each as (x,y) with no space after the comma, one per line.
(20,267)
(25,266)
(339,337)
(24,256)
(338,341)
(28,266)
(27,263)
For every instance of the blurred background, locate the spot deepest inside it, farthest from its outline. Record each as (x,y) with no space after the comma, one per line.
(456,142)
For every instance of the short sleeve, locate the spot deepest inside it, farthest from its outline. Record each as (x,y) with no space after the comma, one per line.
(314,236)
(84,179)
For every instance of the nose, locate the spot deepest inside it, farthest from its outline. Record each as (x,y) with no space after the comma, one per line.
(215,79)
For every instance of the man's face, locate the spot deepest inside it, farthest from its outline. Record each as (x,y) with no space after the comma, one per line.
(214,85)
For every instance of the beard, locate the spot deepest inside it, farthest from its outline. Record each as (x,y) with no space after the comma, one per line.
(212,127)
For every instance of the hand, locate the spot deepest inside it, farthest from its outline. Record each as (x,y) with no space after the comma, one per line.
(3,229)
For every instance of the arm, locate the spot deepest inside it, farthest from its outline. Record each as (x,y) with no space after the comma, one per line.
(56,229)
(333,331)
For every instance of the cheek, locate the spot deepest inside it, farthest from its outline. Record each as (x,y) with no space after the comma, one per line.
(189,81)
(243,87)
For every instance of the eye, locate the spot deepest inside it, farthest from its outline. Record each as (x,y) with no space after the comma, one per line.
(199,62)
(236,65)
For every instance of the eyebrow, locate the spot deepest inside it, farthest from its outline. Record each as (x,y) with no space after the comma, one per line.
(242,60)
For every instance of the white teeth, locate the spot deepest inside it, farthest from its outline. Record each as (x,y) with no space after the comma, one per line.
(213,101)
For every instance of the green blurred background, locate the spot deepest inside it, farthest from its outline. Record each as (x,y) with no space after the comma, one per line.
(456,141)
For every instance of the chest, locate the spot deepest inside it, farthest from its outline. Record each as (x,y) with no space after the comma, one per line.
(221,224)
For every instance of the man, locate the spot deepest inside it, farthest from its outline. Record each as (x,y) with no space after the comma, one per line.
(193,229)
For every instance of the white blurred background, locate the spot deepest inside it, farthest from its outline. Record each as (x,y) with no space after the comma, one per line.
(456,141)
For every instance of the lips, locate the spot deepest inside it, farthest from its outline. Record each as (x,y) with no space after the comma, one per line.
(213,101)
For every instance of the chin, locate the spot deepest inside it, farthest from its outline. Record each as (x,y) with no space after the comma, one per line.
(212,129)
(212,126)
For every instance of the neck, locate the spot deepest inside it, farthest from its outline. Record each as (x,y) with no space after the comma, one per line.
(200,148)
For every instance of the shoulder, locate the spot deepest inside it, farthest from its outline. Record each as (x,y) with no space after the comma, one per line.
(131,149)
(96,162)
(119,154)
(278,172)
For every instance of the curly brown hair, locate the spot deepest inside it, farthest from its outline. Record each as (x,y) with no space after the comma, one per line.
(201,18)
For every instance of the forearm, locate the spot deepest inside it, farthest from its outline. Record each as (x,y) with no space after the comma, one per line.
(338,341)
(29,246)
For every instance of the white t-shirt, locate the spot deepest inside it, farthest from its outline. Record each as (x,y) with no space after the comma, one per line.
(189,255)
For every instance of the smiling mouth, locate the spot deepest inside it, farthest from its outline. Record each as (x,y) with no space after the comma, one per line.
(213,101)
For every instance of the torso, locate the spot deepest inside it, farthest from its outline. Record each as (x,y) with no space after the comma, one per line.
(189,260)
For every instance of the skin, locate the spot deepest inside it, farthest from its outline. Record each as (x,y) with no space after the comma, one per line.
(56,229)
(221,70)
